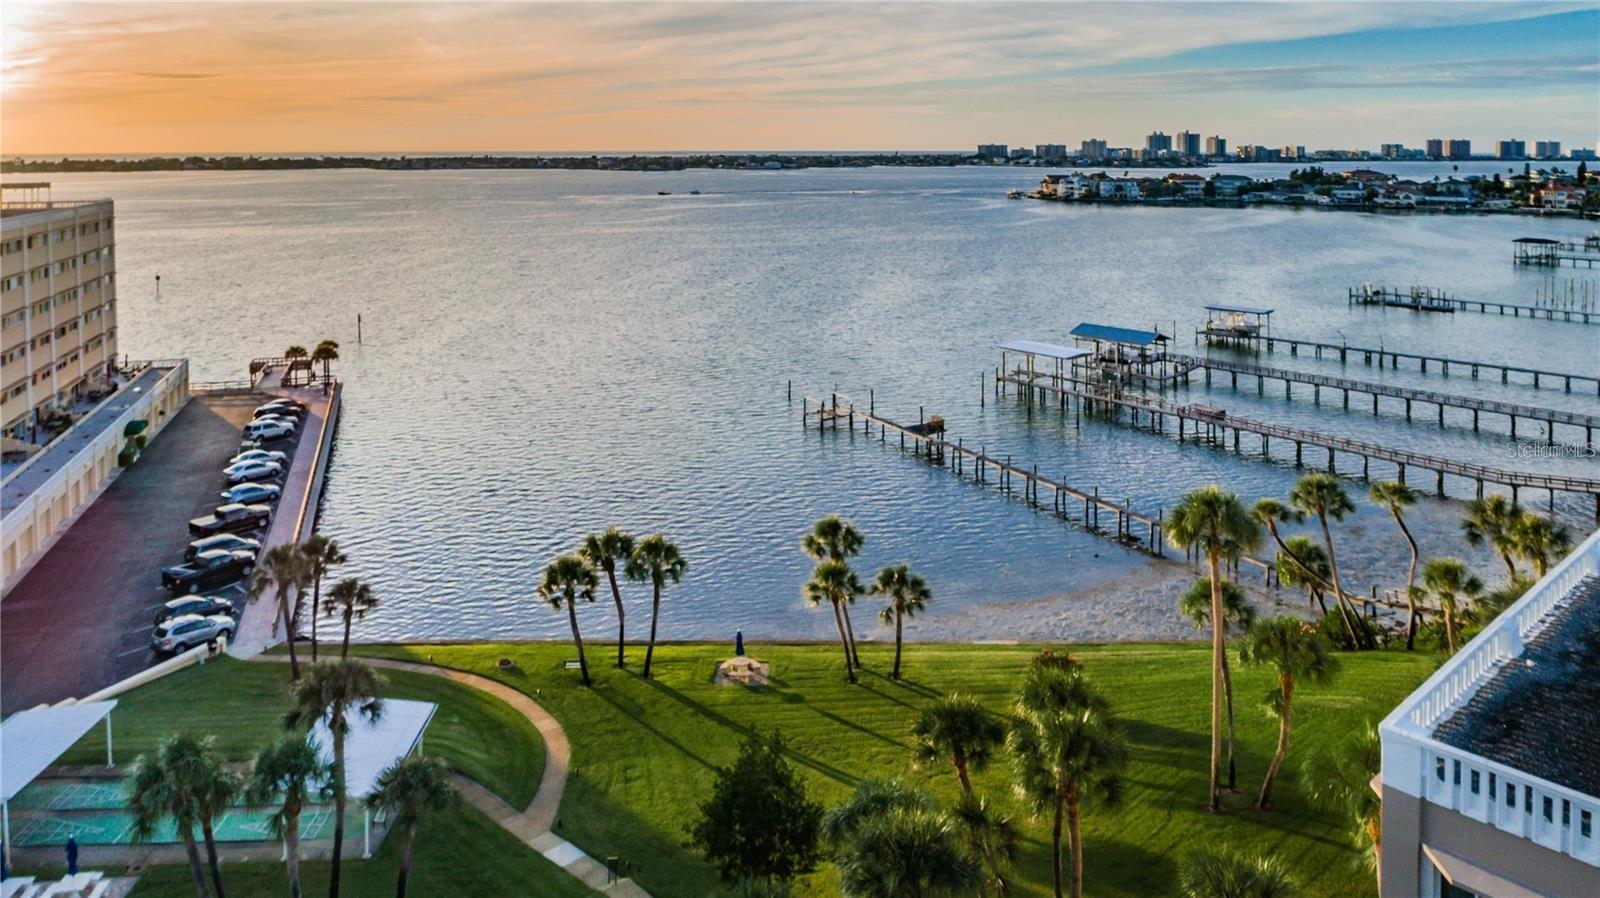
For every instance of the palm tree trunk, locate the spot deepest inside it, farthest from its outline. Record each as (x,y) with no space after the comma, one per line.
(316,612)
(1450,625)
(195,869)
(1055,848)
(288,632)
(1227,694)
(1218,658)
(1511,565)
(1318,584)
(850,633)
(1286,689)
(1411,581)
(344,647)
(655,615)
(1075,836)
(616,596)
(291,849)
(1375,833)
(895,675)
(405,862)
(337,728)
(1352,616)
(838,621)
(577,639)
(207,829)
(960,763)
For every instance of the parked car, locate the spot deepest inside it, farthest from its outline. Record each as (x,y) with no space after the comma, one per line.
(231,518)
(182,633)
(280,407)
(259,455)
(205,606)
(269,429)
(285,402)
(250,493)
(208,569)
(225,542)
(246,471)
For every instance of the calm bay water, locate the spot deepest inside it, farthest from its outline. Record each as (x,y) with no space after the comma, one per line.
(550,353)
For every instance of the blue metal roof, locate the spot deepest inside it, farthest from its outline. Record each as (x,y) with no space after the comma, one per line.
(1116,334)
(1244,310)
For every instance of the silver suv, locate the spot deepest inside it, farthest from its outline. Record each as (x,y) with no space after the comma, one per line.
(182,633)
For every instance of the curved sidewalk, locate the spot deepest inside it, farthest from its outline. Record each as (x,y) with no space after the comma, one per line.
(532,824)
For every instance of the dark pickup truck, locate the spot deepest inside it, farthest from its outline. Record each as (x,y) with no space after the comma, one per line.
(207,570)
(231,518)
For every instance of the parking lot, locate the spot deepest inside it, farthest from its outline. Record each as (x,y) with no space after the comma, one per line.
(80,620)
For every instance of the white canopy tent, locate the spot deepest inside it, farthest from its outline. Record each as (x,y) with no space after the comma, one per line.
(373,746)
(30,741)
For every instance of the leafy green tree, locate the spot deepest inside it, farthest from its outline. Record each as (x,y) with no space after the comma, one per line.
(1214,522)
(1339,780)
(1212,872)
(837,540)
(165,786)
(908,594)
(409,790)
(1395,496)
(1540,541)
(1295,653)
(1067,749)
(657,560)
(1451,582)
(1492,520)
(290,768)
(568,580)
(331,692)
(603,551)
(758,823)
(282,571)
(958,729)
(351,599)
(320,554)
(1323,497)
(1195,604)
(833,582)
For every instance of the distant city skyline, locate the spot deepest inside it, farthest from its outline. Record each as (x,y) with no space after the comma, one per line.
(141,78)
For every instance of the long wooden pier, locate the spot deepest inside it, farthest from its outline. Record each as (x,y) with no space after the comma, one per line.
(1554,253)
(1429,299)
(1390,358)
(1547,416)
(1213,426)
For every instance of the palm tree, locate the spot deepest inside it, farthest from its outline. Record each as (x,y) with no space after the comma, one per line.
(321,555)
(1066,748)
(407,790)
(656,559)
(164,786)
(1214,521)
(1306,568)
(1322,496)
(1394,495)
(1195,604)
(961,730)
(351,599)
(991,835)
(907,853)
(1339,780)
(567,580)
(872,798)
(833,582)
(1491,520)
(1224,873)
(291,768)
(215,788)
(908,594)
(603,551)
(283,570)
(295,352)
(331,692)
(326,352)
(1296,653)
(835,539)
(1540,541)
(1451,582)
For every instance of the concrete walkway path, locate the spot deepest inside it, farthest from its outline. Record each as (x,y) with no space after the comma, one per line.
(532,824)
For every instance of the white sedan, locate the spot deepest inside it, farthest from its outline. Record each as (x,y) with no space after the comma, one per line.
(246,471)
(258,455)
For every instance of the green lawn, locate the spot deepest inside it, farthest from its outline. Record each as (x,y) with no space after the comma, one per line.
(644,751)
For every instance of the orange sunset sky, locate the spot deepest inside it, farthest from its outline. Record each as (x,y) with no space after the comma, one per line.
(85,78)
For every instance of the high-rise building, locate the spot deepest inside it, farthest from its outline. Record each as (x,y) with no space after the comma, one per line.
(1393,150)
(992,150)
(1051,151)
(1186,143)
(1157,143)
(58,299)
(1584,154)
(1020,152)
(1216,146)
(1092,149)
(1459,149)
(1547,149)
(1512,149)
(1292,152)
(1435,148)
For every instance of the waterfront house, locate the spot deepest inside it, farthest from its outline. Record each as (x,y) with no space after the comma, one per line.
(1192,185)
(1120,189)
(1558,195)
(1367,176)
(1348,194)
(1232,185)
(1050,187)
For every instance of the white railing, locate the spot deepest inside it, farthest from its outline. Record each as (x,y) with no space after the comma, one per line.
(1416,763)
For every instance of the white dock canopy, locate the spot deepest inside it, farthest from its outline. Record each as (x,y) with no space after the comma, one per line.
(30,741)
(373,746)
(1048,350)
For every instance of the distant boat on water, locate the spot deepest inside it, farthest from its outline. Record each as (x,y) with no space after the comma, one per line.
(663,193)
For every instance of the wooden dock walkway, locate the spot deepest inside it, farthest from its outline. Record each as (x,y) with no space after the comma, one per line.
(1213,426)
(1427,299)
(1547,416)
(1390,358)
(1555,253)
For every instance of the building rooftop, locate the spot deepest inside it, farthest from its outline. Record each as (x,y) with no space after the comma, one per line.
(1110,334)
(1538,713)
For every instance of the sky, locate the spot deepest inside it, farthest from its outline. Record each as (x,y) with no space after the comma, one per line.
(85,78)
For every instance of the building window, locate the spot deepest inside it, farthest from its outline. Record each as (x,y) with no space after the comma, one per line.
(1527,800)
(1566,812)
(1549,810)
(1511,796)
(1455,775)
(1491,787)
(1585,823)
(1438,768)
(1474,783)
